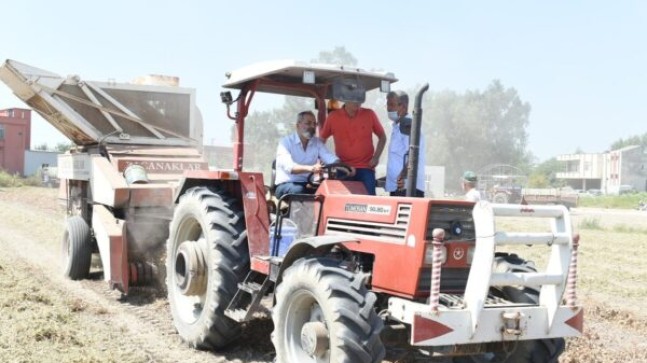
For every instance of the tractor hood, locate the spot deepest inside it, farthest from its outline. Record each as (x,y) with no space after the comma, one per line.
(89,112)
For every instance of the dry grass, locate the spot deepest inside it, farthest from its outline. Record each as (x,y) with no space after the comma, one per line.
(42,322)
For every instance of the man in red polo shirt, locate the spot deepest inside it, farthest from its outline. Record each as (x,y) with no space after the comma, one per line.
(352,127)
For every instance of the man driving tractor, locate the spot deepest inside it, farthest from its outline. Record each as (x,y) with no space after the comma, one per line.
(300,154)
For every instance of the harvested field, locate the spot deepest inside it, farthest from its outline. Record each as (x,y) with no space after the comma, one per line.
(45,318)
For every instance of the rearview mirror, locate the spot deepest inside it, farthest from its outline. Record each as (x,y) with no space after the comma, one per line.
(348,90)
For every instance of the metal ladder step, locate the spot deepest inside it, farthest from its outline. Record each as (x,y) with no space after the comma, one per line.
(241,309)
(236,314)
(250,287)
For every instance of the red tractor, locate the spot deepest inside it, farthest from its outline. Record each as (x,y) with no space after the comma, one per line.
(360,267)
(345,274)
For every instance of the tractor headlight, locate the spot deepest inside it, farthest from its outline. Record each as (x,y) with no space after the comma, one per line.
(429,254)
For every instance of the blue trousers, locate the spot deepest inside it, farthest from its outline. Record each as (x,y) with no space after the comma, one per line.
(366,176)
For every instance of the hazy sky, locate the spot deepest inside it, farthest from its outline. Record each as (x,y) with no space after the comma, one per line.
(580,64)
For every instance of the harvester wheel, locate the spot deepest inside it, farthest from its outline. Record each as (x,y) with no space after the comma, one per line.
(207,256)
(526,351)
(76,248)
(324,313)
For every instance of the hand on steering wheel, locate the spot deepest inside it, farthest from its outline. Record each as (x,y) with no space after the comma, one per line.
(334,171)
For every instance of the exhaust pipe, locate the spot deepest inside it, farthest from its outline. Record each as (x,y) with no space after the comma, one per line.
(414,143)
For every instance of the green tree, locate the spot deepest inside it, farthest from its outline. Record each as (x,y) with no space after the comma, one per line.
(262,131)
(41,147)
(339,55)
(63,146)
(632,140)
(544,174)
(468,131)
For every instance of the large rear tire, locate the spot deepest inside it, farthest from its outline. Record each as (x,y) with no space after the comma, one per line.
(76,248)
(324,313)
(207,256)
(526,351)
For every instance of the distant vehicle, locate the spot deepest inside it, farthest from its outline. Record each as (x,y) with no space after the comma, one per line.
(516,194)
(506,193)
(594,192)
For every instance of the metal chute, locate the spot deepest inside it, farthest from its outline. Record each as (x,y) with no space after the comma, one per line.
(89,112)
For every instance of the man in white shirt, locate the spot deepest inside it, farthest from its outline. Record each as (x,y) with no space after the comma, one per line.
(469,186)
(397,105)
(300,154)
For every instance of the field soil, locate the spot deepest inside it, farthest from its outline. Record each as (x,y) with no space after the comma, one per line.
(46,318)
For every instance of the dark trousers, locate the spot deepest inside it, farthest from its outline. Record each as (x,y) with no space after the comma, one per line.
(401,193)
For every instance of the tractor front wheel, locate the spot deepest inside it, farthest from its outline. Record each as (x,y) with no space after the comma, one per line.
(207,256)
(324,313)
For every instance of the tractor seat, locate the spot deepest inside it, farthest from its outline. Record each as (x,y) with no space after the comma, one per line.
(270,196)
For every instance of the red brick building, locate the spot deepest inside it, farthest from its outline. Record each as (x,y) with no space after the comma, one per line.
(15,138)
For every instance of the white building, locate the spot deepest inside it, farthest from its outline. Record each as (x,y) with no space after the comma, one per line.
(610,172)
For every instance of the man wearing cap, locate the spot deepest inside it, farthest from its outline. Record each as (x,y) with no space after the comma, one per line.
(469,186)
(352,127)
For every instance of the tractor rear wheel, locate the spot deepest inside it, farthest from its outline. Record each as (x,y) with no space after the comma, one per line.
(207,256)
(526,351)
(76,248)
(324,313)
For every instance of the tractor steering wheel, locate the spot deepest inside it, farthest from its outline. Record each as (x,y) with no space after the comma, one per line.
(334,171)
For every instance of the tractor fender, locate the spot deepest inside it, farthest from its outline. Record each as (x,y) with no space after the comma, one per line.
(207,180)
(309,246)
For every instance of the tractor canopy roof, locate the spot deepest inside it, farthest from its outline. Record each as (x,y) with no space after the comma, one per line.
(295,78)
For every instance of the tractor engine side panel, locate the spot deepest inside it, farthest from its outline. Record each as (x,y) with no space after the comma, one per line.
(391,229)
(398,233)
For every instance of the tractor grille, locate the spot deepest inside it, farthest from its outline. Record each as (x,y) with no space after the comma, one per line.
(451,279)
(389,232)
(456,220)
